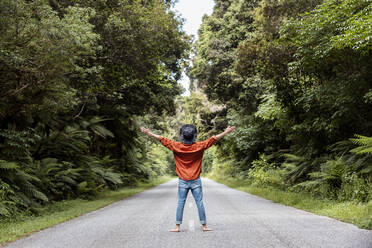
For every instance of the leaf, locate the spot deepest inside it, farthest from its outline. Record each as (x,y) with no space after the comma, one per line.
(5,165)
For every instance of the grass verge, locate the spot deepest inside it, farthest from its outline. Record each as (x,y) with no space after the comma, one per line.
(59,212)
(359,214)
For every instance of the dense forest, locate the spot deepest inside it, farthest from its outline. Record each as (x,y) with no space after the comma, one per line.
(78,78)
(295,78)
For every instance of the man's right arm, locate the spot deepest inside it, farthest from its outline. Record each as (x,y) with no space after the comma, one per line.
(209,142)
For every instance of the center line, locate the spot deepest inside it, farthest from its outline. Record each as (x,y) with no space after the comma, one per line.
(191,225)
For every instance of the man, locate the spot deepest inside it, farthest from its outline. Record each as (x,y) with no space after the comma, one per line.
(188,156)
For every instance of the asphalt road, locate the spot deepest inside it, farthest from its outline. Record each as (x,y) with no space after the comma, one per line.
(237,218)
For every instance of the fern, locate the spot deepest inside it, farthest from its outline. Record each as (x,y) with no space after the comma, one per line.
(20,187)
(363,154)
(365,144)
(103,175)
(16,144)
(297,168)
(3,209)
(94,125)
(362,149)
(5,165)
(341,148)
(59,162)
(6,206)
(27,184)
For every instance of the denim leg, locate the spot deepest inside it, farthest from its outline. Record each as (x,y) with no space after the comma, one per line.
(198,196)
(182,194)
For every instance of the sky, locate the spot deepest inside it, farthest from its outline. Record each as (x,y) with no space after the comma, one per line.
(192,11)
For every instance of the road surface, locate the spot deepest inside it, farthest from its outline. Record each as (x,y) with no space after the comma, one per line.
(237,218)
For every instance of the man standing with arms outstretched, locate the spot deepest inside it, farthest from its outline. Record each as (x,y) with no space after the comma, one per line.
(188,156)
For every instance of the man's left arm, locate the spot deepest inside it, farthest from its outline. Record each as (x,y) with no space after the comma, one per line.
(164,141)
(149,133)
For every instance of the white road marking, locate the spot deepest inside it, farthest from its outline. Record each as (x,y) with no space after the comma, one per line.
(191,225)
(190,204)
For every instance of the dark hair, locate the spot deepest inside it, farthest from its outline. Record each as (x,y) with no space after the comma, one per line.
(188,134)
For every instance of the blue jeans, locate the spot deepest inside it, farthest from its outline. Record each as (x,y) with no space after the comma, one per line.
(197,192)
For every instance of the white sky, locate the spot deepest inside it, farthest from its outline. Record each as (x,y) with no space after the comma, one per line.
(192,11)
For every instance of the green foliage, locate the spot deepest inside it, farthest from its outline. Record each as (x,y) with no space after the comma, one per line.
(263,173)
(208,158)
(337,180)
(365,144)
(221,169)
(16,144)
(297,167)
(219,36)
(38,50)
(142,53)
(73,77)
(363,154)
(19,189)
(159,160)
(295,78)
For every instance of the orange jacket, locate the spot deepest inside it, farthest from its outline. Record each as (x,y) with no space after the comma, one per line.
(188,158)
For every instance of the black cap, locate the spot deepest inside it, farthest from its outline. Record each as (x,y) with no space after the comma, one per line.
(188,134)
